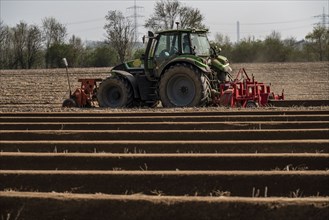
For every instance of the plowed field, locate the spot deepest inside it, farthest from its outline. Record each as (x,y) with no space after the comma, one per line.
(214,163)
(182,164)
(45,90)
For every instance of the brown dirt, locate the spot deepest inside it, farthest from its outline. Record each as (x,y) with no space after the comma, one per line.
(270,134)
(165,161)
(276,183)
(45,90)
(124,146)
(209,183)
(82,206)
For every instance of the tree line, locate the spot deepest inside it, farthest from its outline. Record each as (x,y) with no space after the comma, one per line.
(27,46)
(315,47)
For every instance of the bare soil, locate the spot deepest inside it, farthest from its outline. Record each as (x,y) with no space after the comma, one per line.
(229,188)
(45,90)
(287,134)
(172,183)
(83,206)
(163,161)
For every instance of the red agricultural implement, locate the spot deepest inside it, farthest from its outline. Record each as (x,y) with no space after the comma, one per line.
(85,96)
(244,92)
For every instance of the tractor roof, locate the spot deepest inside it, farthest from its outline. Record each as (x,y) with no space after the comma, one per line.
(191,30)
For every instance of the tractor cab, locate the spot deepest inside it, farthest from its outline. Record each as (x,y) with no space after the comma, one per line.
(165,46)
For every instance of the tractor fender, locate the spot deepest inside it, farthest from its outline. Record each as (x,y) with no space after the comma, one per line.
(194,62)
(131,79)
(221,64)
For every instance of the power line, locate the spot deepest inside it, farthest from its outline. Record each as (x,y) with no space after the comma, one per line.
(135,16)
(278,22)
(241,27)
(263,23)
(323,19)
(237,31)
(86,21)
(89,29)
(231,32)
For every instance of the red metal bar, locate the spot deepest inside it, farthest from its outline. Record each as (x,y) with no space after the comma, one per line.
(245,90)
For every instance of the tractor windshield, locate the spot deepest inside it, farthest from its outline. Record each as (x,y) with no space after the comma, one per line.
(200,44)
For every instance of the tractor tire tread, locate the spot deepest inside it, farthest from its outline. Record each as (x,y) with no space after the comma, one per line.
(126,86)
(204,90)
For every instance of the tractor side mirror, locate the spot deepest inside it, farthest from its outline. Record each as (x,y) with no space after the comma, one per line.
(143,56)
(215,50)
(212,52)
(150,34)
(143,39)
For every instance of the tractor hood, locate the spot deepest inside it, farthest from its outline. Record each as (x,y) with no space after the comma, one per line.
(220,63)
(131,64)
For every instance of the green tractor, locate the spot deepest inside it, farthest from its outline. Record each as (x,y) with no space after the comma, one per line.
(179,68)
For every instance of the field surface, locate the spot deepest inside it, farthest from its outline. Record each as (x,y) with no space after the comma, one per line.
(45,90)
(182,164)
(194,163)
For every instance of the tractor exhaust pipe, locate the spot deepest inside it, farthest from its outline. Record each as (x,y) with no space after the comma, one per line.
(177,24)
(67,74)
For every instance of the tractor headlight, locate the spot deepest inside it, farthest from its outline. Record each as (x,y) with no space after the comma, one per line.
(228,69)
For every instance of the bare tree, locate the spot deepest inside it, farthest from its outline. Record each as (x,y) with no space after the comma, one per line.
(19,45)
(222,39)
(190,17)
(318,41)
(53,33)
(120,33)
(3,32)
(19,40)
(5,46)
(76,49)
(27,42)
(167,12)
(33,45)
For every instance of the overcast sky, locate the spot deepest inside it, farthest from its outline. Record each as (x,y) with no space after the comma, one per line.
(257,18)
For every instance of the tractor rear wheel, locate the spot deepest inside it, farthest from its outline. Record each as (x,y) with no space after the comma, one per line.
(115,92)
(182,85)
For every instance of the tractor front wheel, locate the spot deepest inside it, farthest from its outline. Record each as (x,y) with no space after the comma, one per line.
(183,85)
(115,92)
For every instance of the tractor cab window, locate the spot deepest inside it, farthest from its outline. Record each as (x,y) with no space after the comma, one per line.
(200,44)
(154,43)
(186,45)
(167,46)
